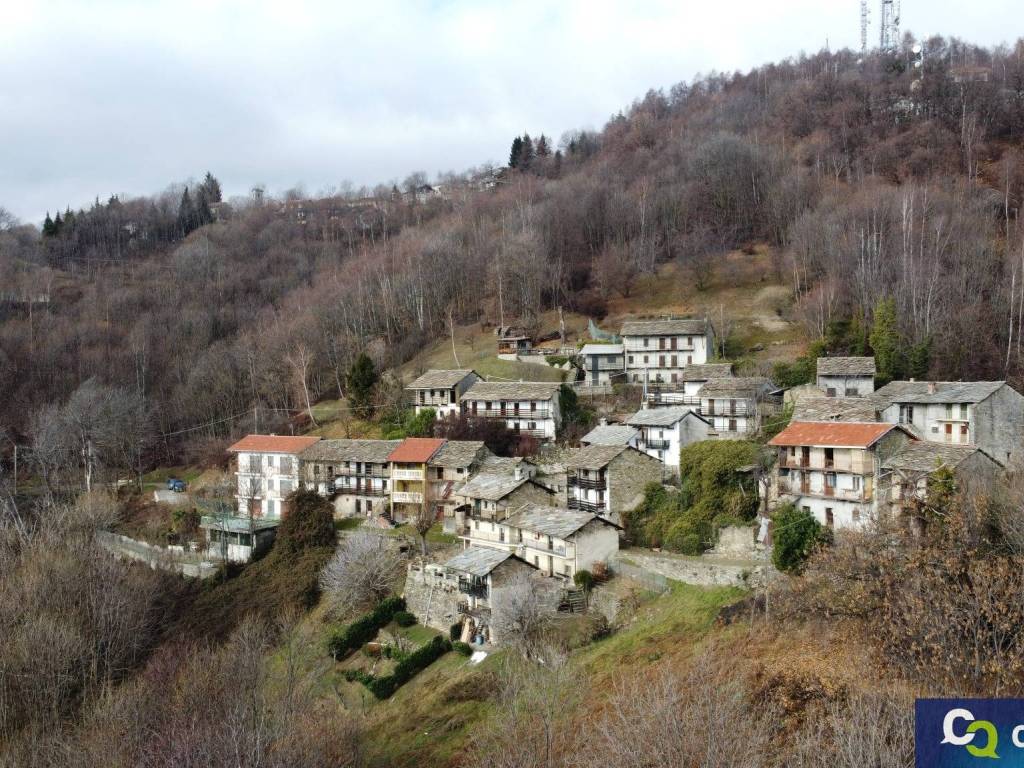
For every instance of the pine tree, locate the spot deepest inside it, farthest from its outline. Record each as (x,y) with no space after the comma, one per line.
(47,226)
(203,213)
(885,342)
(543,147)
(58,224)
(186,214)
(527,154)
(362,381)
(211,187)
(516,153)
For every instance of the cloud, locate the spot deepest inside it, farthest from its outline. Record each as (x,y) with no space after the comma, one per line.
(125,97)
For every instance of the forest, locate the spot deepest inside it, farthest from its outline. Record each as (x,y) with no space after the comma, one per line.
(878,187)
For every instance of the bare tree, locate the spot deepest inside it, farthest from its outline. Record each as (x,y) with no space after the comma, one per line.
(522,610)
(363,570)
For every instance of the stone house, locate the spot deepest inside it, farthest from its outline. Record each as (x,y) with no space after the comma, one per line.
(904,478)
(603,364)
(512,340)
(450,468)
(846,376)
(657,351)
(686,391)
(610,480)
(441,390)
(986,414)
(267,470)
(490,496)
(831,469)
(526,407)
(736,406)
(354,474)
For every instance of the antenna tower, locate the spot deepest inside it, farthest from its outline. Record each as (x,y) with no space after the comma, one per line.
(889,23)
(864,26)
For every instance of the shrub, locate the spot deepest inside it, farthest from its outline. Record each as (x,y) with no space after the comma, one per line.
(795,534)
(455,630)
(584,579)
(463,649)
(404,619)
(407,668)
(308,522)
(364,629)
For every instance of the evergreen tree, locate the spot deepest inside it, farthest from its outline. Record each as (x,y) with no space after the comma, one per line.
(885,342)
(543,147)
(48,230)
(796,534)
(58,224)
(516,153)
(362,381)
(211,187)
(919,360)
(203,213)
(527,153)
(186,214)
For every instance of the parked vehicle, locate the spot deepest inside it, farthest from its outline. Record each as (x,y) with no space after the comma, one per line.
(176,485)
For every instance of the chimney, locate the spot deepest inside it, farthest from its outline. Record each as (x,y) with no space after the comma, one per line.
(931,387)
(517,473)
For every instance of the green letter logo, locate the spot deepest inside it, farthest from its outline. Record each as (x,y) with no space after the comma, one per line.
(989,750)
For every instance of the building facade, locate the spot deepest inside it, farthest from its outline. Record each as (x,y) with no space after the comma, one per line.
(658,351)
(846,376)
(603,364)
(664,431)
(529,408)
(441,390)
(610,480)
(686,390)
(412,492)
(735,406)
(831,469)
(354,474)
(267,471)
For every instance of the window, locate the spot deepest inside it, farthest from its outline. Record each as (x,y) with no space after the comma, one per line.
(830,391)
(646,343)
(630,359)
(646,360)
(829,518)
(830,480)
(806,509)
(852,392)
(963,411)
(440,473)
(476,525)
(906,414)
(949,410)
(689,359)
(855,482)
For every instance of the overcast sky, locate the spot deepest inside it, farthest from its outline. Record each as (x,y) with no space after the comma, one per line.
(126,97)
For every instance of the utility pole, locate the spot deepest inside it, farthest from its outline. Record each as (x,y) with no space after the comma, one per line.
(864,27)
(889,26)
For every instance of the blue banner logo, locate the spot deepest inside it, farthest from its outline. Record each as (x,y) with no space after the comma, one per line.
(953,733)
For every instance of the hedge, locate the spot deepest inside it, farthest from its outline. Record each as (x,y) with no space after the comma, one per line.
(406,669)
(404,619)
(363,630)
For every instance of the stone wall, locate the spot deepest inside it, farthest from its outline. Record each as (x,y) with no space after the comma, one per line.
(434,602)
(705,571)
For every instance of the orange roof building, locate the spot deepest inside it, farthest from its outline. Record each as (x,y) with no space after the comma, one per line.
(415,450)
(273,444)
(833,434)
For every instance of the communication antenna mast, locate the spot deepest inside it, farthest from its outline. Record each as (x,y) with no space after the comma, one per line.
(864,26)
(889,23)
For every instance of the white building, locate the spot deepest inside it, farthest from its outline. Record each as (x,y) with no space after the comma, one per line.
(441,390)
(685,391)
(830,469)
(559,542)
(664,431)
(986,414)
(603,364)
(846,376)
(657,351)
(735,406)
(526,407)
(268,470)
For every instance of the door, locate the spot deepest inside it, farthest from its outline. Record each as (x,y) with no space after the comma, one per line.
(829,518)
(805,456)
(949,433)
(964,436)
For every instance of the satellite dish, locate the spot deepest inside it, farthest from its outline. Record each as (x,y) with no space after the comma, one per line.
(917,48)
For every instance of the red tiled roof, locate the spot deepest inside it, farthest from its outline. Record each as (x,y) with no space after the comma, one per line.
(416,450)
(273,444)
(832,433)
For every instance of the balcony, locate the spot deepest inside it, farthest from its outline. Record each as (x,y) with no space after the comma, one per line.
(367,471)
(672,398)
(406,497)
(653,445)
(473,589)
(797,462)
(825,492)
(360,490)
(544,548)
(508,413)
(593,484)
(415,475)
(723,409)
(593,507)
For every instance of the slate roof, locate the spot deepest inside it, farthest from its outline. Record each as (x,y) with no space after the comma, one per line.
(686,326)
(549,521)
(706,371)
(501,464)
(834,409)
(512,390)
(478,561)
(602,349)
(440,379)
(373,451)
(416,450)
(658,417)
(457,453)
(945,391)
(610,434)
(735,386)
(594,456)
(840,434)
(273,444)
(846,366)
(922,456)
(490,486)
